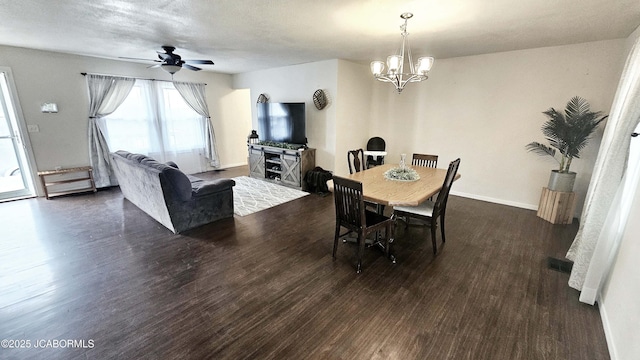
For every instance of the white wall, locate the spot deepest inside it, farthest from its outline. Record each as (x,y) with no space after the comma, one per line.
(297,83)
(354,117)
(631,40)
(485,109)
(619,301)
(42,76)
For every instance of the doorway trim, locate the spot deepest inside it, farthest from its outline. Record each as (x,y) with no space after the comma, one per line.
(30,177)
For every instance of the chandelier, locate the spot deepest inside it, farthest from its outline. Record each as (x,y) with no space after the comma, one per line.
(396,63)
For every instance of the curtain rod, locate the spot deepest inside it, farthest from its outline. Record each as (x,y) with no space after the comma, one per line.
(135,77)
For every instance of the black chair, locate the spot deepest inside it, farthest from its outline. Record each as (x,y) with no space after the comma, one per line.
(430,211)
(425,160)
(355,158)
(352,215)
(375,144)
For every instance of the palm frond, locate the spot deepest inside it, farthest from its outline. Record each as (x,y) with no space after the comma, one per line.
(541,149)
(576,107)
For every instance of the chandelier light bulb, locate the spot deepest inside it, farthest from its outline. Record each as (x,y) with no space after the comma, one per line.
(424,65)
(394,64)
(377,67)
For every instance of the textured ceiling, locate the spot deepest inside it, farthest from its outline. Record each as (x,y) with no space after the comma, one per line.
(242,36)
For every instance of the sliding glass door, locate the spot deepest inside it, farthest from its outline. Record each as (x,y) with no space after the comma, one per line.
(15,178)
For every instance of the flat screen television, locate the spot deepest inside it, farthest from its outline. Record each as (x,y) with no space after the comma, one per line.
(282,122)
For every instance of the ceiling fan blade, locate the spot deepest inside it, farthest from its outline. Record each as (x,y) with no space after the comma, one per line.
(203,62)
(164,56)
(187,66)
(130,58)
(154,66)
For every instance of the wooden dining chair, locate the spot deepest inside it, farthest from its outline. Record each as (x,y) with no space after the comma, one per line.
(352,215)
(357,164)
(355,158)
(430,211)
(425,160)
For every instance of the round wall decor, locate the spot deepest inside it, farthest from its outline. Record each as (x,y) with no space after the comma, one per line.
(319,99)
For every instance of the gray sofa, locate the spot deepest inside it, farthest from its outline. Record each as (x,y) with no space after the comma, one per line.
(176,200)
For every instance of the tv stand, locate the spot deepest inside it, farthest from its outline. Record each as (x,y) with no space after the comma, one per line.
(282,166)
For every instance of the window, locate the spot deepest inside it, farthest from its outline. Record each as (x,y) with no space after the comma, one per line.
(155,120)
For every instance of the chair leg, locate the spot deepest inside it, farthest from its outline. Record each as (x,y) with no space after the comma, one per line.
(442,227)
(389,237)
(335,240)
(433,236)
(361,242)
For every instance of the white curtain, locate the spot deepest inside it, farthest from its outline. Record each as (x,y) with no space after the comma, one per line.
(155,120)
(106,93)
(195,96)
(611,189)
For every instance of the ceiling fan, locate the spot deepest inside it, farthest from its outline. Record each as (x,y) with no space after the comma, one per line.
(172,63)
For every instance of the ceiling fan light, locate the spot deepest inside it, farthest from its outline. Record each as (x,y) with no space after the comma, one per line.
(377,67)
(171,69)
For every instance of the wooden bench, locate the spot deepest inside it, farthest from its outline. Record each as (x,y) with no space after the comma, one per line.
(88,176)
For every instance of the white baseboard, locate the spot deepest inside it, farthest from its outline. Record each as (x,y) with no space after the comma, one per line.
(226,166)
(496,201)
(607,329)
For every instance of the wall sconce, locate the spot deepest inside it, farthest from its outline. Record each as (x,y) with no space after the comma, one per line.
(49,108)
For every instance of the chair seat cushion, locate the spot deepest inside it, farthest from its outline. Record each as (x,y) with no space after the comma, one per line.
(424,209)
(373,218)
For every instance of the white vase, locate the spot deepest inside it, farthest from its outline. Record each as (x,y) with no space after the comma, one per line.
(403,164)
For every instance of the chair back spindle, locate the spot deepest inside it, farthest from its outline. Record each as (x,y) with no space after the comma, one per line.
(425,160)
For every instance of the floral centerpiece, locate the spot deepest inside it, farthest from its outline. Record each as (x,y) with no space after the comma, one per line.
(401,174)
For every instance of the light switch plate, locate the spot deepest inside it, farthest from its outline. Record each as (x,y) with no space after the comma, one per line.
(33,128)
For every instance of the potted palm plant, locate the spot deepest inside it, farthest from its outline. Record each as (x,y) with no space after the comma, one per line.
(567,134)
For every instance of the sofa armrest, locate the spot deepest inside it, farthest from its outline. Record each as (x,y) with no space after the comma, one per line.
(201,188)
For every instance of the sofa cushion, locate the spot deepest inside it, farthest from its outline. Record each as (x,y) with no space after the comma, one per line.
(180,184)
(202,187)
(152,163)
(137,157)
(178,180)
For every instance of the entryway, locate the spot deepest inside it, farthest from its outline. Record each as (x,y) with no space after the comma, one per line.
(15,175)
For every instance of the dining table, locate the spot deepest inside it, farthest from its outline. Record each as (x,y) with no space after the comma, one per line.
(388,192)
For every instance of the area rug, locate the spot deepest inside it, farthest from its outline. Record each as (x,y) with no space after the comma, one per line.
(253,195)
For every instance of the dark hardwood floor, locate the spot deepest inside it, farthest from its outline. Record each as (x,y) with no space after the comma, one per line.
(96,269)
